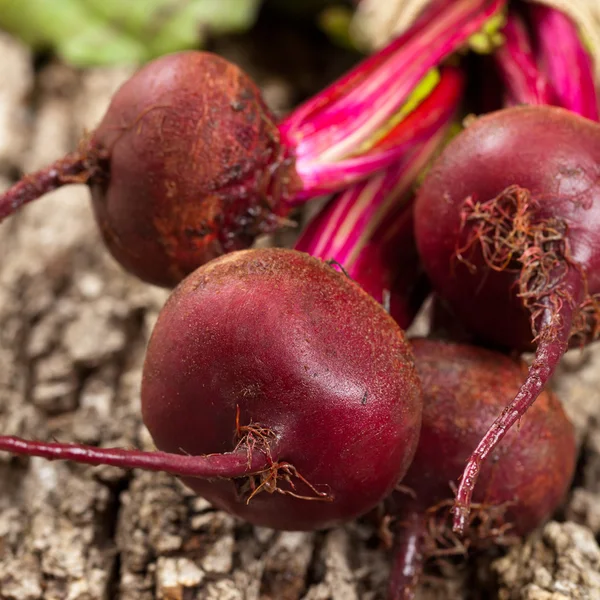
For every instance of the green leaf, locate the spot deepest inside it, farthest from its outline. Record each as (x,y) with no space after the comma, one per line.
(97,32)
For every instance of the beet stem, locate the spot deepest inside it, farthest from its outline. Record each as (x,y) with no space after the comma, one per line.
(229,465)
(407,565)
(555,329)
(73,168)
(526,83)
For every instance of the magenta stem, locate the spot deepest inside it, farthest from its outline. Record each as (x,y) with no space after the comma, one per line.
(415,129)
(407,565)
(339,124)
(552,343)
(73,168)
(515,59)
(219,466)
(570,70)
(370,211)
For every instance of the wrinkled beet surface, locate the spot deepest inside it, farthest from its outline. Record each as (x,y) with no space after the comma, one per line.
(552,153)
(303,351)
(464,389)
(194,166)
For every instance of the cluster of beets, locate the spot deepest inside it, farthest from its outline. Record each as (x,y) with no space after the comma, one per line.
(284,390)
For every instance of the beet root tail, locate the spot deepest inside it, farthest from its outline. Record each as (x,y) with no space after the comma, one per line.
(552,342)
(407,564)
(240,463)
(76,167)
(255,458)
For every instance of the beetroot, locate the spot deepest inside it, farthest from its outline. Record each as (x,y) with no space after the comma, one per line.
(233,161)
(269,371)
(506,224)
(185,127)
(464,387)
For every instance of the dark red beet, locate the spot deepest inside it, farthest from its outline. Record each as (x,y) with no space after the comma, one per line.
(506,224)
(317,376)
(464,388)
(185,166)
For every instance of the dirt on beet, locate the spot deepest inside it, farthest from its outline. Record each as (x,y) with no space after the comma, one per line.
(73,330)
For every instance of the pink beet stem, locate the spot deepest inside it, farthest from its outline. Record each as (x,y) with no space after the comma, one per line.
(73,168)
(415,129)
(552,343)
(525,82)
(223,466)
(570,71)
(407,564)
(370,212)
(339,122)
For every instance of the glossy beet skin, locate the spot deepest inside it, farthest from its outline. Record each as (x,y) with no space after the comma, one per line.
(303,351)
(550,152)
(464,388)
(507,224)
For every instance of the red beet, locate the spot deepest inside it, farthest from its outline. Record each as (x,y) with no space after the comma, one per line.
(464,388)
(187,164)
(203,194)
(292,372)
(506,224)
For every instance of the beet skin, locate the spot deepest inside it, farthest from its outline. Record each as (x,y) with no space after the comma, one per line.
(194,167)
(301,350)
(553,154)
(519,487)
(464,389)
